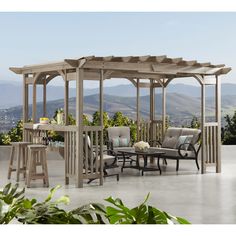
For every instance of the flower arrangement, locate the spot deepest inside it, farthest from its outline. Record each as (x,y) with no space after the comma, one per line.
(141,146)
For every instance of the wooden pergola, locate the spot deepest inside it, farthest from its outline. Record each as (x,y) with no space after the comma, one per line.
(143,72)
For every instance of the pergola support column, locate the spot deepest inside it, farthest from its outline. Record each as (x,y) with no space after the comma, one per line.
(138,109)
(101,123)
(203,149)
(66,99)
(79,124)
(34,104)
(163,111)
(44,97)
(25,103)
(218,120)
(152,109)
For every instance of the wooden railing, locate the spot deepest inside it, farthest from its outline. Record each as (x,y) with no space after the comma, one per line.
(93,153)
(149,131)
(70,155)
(211,143)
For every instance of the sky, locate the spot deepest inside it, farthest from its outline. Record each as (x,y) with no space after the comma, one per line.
(33,38)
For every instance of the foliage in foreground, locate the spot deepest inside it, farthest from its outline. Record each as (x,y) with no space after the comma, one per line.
(15,206)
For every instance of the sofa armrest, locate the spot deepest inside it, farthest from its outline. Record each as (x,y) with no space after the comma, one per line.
(191,147)
(152,142)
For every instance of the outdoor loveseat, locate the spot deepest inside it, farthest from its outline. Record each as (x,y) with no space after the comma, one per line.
(181,144)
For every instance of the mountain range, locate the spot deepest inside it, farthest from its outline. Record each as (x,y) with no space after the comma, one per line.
(11,93)
(183,102)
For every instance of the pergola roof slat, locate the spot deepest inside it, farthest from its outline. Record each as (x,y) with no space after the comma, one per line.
(161,65)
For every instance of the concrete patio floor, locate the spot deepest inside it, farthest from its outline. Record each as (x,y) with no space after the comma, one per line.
(202,199)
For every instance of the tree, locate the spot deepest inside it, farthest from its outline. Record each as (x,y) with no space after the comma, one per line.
(195,123)
(229,132)
(96,119)
(120,120)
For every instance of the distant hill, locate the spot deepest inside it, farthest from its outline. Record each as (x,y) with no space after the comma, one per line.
(11,93)
(179,107)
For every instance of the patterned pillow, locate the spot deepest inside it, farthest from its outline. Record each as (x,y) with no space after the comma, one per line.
(170,142)
(123,142)
(181,140)
(115,142)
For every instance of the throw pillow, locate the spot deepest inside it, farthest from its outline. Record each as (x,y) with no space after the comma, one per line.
(169,142)
(181,140)
(115,142)
(123,142)
(188,140)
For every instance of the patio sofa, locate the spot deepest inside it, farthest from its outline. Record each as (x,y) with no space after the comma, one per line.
(181,144)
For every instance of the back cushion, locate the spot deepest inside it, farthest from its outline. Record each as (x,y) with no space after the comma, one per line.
(119,132)
(194,132)
(171,137)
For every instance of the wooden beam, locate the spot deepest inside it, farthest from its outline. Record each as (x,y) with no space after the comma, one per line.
(34,104)
(218,120)
(203,138)
(163,111)
(79,123)
(45,98)
(138,109)
(66,100)
(72,63)
(152,108)
(101,124)
(25,100)
(16,70)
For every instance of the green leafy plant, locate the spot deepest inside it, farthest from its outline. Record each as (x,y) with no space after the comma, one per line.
(14,205)
(142,214)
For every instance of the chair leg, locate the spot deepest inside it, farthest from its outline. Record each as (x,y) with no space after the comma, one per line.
(45,168)
(19,150)
(11,162)
(197,163)
(164,161)
(177,164)
(117,177)
(29,168)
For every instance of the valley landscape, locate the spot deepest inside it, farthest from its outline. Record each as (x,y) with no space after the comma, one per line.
(183,102)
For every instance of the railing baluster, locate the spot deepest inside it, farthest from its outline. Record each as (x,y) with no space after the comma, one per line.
(91,153)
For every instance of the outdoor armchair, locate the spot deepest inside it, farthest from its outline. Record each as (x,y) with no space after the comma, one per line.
(109,161)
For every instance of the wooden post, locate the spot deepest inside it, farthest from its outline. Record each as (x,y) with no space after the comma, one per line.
(163,111)
(152,109)
(45,97)
(79,124)
(101,123)
(203,106)
(34,104)
(25,100)
(138,109)
(66,100)
(218,120)
(25,104)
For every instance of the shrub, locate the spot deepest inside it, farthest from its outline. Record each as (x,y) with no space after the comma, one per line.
(14,205)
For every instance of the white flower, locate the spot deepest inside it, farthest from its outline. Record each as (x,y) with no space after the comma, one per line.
(141,145)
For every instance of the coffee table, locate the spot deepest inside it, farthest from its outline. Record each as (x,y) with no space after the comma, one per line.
(149,153)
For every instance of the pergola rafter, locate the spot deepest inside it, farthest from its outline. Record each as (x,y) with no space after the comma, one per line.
(157,71)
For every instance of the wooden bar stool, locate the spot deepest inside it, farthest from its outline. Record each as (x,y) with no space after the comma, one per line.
(37,157)
(18,149)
